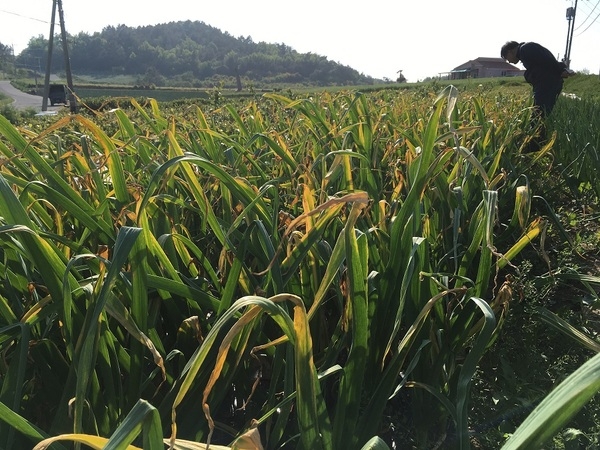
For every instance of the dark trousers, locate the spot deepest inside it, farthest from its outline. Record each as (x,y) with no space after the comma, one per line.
(544,98)
(545,95)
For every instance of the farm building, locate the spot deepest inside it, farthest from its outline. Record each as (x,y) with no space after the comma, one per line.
(483,68)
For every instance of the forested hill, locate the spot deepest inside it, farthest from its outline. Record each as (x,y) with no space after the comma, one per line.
(188,53)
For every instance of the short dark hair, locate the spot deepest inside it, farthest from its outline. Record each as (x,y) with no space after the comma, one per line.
(508,47)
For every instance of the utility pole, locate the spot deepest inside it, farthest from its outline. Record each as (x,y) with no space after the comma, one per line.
(63,34)
(571,19)
(49,59)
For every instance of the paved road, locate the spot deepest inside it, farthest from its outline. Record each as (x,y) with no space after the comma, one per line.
(24,101)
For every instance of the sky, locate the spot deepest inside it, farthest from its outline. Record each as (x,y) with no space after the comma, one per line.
(379,38)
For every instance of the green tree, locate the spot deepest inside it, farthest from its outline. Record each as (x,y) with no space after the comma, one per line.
(7,58)
(232,62)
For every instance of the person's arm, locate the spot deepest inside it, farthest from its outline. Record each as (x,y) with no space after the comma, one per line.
(567,73)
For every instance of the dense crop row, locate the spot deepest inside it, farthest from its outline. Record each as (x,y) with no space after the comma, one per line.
(281,267)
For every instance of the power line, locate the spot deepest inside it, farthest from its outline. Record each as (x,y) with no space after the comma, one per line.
(588,16)
(24,17)
(593,22)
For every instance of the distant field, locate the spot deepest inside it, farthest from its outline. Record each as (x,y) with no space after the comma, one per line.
(162,95)
(582,85)
(172,93)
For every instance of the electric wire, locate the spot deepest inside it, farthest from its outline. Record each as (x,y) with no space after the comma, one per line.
(587,17)
(586,28)
(24,17)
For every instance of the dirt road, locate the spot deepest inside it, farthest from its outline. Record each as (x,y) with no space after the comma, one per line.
(24,101)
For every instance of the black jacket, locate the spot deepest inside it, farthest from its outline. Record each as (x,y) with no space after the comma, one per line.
(540,64)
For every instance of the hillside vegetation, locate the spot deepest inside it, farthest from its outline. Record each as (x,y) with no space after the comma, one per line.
(189,53)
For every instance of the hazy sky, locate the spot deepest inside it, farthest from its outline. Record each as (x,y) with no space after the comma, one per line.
(378,37)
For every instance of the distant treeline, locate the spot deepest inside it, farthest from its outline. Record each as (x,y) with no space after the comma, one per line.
(186,54)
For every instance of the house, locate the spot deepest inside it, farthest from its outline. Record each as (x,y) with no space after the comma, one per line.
(483,68)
